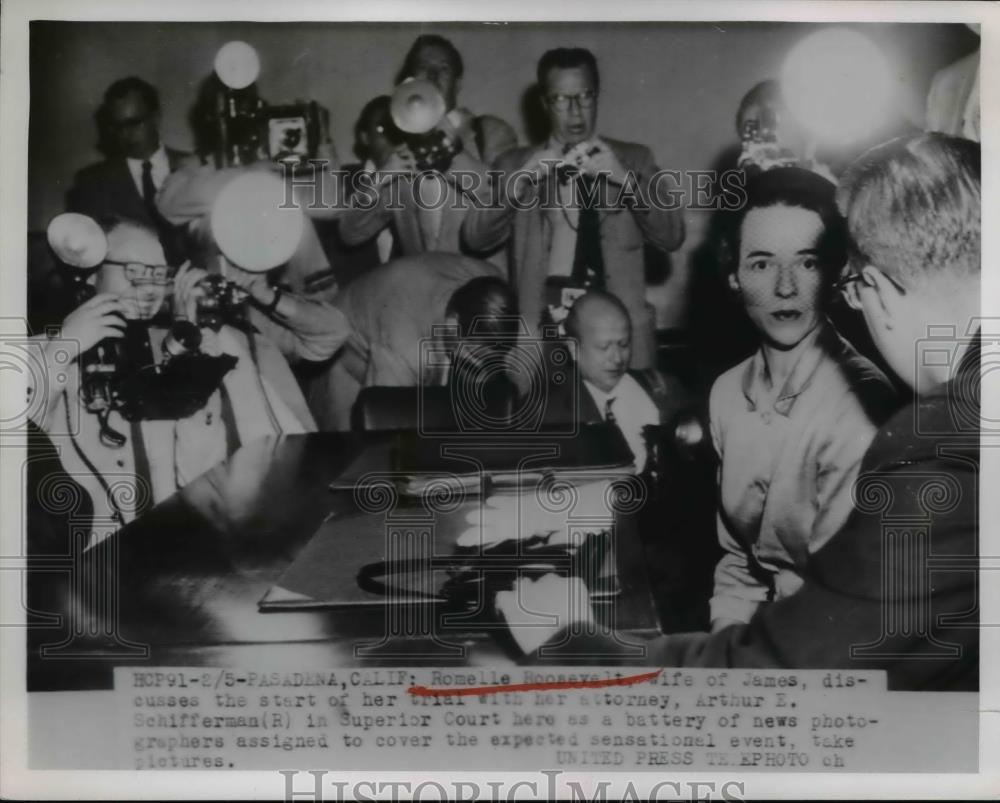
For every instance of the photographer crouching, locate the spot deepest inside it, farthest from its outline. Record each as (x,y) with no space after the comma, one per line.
(143,404)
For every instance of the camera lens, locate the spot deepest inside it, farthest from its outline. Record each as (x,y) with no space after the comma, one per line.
(183,337)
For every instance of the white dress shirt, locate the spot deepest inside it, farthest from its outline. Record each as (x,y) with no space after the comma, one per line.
(632,408)
(160,169)
(564,219)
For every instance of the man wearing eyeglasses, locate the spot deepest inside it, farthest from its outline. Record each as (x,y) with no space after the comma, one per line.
(577,211)
(124,465)
(895,587)
(137,164)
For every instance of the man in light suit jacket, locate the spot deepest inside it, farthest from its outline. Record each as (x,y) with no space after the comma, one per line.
(137,163)
(484,137)
(543,216)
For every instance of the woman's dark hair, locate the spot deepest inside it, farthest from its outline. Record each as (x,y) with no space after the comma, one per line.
(794,187)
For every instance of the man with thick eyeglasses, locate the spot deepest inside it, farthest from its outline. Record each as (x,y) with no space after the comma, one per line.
(136,164)
(895,587)
(124,464)
(578,210)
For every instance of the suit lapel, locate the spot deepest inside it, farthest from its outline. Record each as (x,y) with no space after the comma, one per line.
(589,414)
(128,199)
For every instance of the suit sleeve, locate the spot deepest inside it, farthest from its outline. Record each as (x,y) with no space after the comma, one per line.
(838,618)
(661,227)
(368,212)
(188,194)
(89,195)
(498,138)
(313,330)
(488,225)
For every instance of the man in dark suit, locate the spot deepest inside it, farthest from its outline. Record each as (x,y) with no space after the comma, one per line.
(125,184)
(607,390)
(913,209)
(580,229)
(375,138)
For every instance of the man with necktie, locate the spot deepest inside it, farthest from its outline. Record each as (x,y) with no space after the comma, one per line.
(607,391)
(125,183)
(578,210)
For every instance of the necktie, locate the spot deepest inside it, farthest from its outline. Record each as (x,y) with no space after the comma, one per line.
(159,222)
(609,414)
(149,189)
(588,261)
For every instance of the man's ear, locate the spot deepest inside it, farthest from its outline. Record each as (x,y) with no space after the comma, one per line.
(887,296)
(451,321)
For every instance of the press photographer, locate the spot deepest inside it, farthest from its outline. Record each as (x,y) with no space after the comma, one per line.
(419,193)
(144,405)
(240,134)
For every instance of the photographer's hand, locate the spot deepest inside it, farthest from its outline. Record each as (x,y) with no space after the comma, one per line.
(401,163)
(255,284)
(101,317)
(541,164)
(536,610)
(186,291)
(604,161)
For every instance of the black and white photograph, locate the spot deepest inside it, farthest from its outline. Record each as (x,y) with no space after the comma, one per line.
(453,402)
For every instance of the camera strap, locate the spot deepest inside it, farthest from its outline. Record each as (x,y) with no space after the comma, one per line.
(142,470)
(229,422)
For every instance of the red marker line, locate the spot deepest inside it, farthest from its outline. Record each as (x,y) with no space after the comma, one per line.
(425,691)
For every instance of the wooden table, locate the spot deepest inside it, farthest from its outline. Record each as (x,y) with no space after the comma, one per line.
(180,585)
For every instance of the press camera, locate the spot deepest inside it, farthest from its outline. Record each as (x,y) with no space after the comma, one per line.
(123,374)
(418,110)
(248,129)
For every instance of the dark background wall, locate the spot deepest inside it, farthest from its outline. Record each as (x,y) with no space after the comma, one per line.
(672,86)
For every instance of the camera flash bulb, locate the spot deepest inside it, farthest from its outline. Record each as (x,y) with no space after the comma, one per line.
(237,65)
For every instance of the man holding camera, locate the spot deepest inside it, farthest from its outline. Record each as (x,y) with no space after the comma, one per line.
(578,210)
(127,465)
(424,204)
(913,210)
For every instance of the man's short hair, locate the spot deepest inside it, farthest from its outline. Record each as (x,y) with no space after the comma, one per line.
(431,40)
(485,306)
(374,110)
(119,89)
(568,58)
(765,93)
(572,322)
(913,208)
